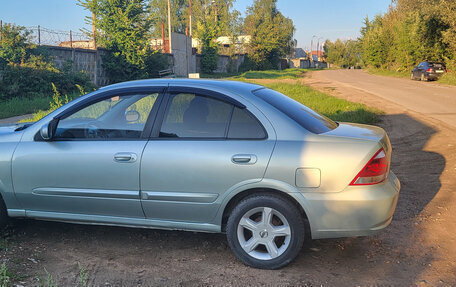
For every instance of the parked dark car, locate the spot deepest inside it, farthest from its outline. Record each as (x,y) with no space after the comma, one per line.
(426,71)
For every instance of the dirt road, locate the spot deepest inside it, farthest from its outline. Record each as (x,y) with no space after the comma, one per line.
(430,99)
(417,249)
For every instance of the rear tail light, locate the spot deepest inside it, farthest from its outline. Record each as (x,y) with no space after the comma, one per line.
(429,70)
(375,171)
(448,70)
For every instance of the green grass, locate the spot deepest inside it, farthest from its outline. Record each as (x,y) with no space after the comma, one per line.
(448,78)
(293,73)
(22,106)
(388,73)
(332,107)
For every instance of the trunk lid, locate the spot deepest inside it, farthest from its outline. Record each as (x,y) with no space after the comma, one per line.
(362,132)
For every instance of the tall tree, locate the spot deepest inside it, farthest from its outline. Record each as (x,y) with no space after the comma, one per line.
(271,34)
(123,28)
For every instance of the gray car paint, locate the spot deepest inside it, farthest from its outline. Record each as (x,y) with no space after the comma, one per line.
(183,184)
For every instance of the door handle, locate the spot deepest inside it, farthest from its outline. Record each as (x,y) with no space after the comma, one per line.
(125,157)
(244,158)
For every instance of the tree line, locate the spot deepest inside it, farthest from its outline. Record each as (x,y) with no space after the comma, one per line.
(410,31)
(125,28)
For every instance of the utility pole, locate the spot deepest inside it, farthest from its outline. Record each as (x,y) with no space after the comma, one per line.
(190,16)
(1,26)
(94,31)
(318,48)
(39,35)
(311,47)
(215,17)
(169,28)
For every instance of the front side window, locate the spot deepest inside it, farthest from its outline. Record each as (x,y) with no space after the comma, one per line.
(119,117)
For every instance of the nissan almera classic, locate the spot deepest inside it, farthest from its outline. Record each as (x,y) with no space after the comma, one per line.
(202,155)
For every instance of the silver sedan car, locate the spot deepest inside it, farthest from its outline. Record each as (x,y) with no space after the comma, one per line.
(201,155)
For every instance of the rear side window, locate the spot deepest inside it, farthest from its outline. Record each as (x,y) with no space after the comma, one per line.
(307,118)
(195,116)
(245,126)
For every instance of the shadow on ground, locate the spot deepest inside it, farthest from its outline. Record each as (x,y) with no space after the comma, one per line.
(115,256)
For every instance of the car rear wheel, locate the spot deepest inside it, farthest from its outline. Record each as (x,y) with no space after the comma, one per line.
(265,231)
(412,77)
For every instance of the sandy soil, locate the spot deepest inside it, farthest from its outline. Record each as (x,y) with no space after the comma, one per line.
(417,249)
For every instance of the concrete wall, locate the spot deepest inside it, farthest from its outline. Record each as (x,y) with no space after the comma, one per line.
(182,51)
(88,61)
(181,61)
(223,63)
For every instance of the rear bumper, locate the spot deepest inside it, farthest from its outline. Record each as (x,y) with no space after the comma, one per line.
(356,211)
(433,76)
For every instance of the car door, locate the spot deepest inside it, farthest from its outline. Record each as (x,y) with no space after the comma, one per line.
(205,145)
(91,165)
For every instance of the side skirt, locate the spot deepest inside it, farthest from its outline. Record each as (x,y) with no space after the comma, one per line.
(119,221)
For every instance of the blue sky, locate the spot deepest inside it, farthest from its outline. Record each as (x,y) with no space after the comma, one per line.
(328,19)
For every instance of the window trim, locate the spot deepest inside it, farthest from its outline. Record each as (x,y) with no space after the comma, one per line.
(106,95)
(155,134)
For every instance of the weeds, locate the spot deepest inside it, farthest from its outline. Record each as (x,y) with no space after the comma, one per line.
(55,103)
(5,278)
(48,282)
(83,277)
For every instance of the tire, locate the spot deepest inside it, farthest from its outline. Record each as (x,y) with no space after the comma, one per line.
(412,77)
(3,214)
(423,78)
(247,230)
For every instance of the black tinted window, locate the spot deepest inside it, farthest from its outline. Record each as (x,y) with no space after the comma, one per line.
(245,126)
(307,118)
(195,116)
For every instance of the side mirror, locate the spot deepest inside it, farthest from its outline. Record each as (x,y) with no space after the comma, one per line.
(44,132)
(132,116)
(47,130)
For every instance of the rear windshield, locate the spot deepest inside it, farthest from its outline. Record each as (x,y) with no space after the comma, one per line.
(307,118)
(437,65)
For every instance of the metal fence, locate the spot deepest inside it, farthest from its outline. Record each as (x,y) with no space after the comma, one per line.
(69,39)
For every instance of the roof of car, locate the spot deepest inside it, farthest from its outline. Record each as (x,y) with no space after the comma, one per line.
(234,86)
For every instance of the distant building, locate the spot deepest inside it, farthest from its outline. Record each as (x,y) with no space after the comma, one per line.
(299,53)
(226,43)
(318,55)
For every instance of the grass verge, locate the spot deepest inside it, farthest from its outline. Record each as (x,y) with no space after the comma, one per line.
(22,106)
(447,78)
(388,73)
(293,73)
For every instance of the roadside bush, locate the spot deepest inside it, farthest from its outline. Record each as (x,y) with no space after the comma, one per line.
(28,81)
(247,65)
(119,69)
(26,71)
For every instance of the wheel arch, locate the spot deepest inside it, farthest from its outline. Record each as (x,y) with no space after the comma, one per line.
(291,197)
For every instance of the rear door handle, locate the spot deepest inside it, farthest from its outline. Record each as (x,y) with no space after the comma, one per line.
(244,158)
(125,157)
